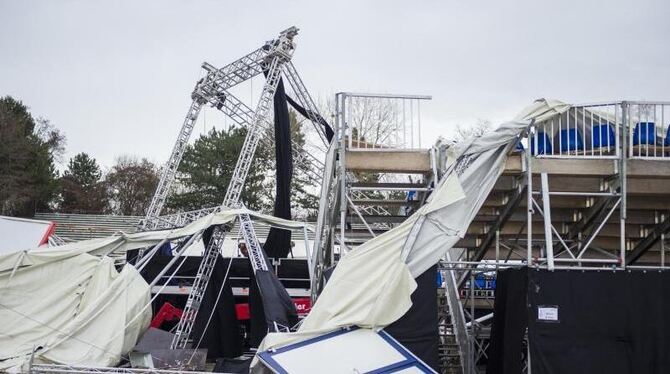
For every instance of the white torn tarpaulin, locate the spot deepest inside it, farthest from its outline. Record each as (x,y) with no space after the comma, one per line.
(71,309)
(121,242)
(371,285)
(69,305)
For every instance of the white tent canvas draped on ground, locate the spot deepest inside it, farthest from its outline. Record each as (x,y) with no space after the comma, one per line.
(69,305)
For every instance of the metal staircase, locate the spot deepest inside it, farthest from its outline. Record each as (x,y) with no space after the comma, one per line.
(454,339)
(449,352)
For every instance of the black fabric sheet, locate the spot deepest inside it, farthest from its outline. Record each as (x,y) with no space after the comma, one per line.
(278,242)
(608,322)
(232,366)
(269,303)
(417,329)
(258,326)
(326,127)
(510,319)
(223,338)
(601,322)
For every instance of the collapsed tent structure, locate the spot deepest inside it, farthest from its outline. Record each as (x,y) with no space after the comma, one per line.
(404,260)
(68,304)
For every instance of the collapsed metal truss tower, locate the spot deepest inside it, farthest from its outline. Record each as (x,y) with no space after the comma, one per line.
(273,60)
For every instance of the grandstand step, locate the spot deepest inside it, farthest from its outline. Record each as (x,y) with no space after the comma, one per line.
(388,160)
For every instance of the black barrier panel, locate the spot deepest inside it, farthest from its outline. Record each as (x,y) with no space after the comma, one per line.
(417,330)
(599,322)
(583,322)
(510,318)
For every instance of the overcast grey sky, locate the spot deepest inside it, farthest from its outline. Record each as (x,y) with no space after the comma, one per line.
(116,76)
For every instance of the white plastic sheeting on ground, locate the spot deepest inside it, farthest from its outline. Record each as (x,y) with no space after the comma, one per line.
(74,309)
(371,286)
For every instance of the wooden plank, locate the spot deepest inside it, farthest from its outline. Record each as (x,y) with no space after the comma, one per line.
(388,161)
(637,168)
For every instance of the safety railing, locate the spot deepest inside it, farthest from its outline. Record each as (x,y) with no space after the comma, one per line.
(598,130)
(649,129)
(378,121)
(587,131)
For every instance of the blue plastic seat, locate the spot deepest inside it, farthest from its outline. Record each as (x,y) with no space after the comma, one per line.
(543,144)
(571,140)
(667,138)
(644,133)
(603,135)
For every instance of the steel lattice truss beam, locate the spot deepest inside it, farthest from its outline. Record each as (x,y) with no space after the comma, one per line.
(213,90)
(256,256)
(231,200)
(324,232)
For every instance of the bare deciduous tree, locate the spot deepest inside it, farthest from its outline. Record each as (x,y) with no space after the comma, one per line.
(463,132)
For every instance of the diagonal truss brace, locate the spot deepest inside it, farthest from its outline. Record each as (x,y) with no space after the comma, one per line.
(231,200)
(230,75)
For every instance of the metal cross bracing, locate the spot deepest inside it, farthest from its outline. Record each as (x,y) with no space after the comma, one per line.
(597,203)
(586,202)
(231,200)
(469,312)
(373,125)
(256,256)
(591,202)
(338,197)
(258,122)
(230,75)
(458,331)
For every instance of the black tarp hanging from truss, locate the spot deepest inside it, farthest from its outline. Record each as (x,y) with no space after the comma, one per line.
(267,291)
(278,242)
(305,113)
